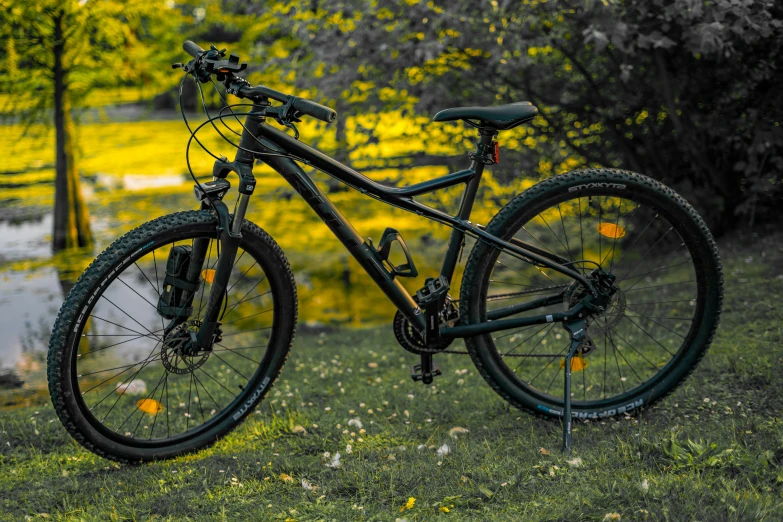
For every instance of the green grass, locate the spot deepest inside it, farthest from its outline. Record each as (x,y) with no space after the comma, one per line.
(713,450)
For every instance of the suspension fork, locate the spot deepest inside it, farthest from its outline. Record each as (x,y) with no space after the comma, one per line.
(230,232)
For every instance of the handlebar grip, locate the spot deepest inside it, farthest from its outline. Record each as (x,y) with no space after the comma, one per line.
(192,49)
(315,110)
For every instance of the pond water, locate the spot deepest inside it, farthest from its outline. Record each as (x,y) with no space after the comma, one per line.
(333,290)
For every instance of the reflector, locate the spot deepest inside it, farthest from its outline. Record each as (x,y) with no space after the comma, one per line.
(578,363)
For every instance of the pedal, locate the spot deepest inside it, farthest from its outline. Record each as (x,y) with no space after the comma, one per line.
(418,375)
(431,298)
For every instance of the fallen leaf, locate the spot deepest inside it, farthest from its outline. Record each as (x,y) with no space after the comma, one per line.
(299,430)
(456,431)
(285,477)
(575,462)
(611,517)
(543,451)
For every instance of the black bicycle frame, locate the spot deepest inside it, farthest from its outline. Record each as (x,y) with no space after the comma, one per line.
(270,145)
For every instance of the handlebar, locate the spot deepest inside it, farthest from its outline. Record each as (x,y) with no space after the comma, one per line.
(192,49)
(242,89)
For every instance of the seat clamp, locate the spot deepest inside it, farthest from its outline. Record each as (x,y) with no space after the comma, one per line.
(488,154)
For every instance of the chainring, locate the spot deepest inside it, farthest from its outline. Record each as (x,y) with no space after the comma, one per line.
(410,339)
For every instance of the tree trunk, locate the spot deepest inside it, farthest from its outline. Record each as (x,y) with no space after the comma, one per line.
(71,219)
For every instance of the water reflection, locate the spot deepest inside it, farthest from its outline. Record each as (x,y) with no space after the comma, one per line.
(333,289)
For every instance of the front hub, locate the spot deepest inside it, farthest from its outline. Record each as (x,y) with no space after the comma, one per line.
(177,353)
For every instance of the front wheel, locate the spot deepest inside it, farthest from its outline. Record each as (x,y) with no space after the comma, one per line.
(120,382)
(658,324)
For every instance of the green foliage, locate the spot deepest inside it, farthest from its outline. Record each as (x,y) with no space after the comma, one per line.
(681,90)
(106,44)
(697,455)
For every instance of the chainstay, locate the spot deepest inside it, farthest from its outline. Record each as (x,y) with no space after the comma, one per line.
(502,296)
(463,352)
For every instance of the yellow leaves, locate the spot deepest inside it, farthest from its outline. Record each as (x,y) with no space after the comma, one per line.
(384,13)
(443,509)
(534,51)
(415,75)
(285,477)
(451,33)
(543,451)
(208,275)
(611,517)
(299,430)
(150,406)
(611,230)
(409,504)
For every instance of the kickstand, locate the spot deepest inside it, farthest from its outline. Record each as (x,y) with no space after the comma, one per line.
(577,331)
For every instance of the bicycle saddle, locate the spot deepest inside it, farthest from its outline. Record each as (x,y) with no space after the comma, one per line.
(500,117)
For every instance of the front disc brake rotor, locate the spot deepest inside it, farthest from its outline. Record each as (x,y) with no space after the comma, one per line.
(171,353)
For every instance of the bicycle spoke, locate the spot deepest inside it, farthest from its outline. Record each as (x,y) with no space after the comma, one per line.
(656,322)
(126,328)
(147,278)
(138,294)
(116,344)
(227,364)
(624,359)
(648,335)
(103,296)
(249,316)
(565,234)
(235,353)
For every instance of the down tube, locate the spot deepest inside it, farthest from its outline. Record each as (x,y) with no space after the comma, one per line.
(340,227)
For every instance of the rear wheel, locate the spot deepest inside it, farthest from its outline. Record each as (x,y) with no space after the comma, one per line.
(657,326)
(120,384)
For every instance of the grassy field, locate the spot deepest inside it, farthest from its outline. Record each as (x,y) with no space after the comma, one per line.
(711,451)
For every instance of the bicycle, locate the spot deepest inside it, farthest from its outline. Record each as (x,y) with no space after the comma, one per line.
(622,262)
